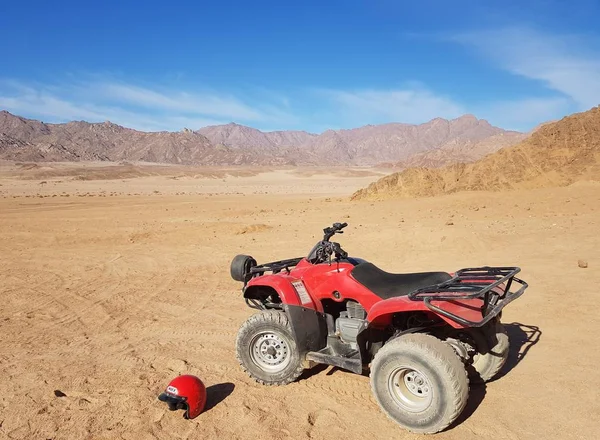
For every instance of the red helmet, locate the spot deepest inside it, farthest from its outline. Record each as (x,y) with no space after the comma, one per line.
(185,392)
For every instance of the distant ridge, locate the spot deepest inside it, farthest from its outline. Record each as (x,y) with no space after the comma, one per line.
(462,139)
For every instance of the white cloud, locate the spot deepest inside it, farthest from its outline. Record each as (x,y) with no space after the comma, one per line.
(419,105)
(567,64)
(411,105)
(43,104)
(178,101)
(154,109)
(143,108)
(523,114)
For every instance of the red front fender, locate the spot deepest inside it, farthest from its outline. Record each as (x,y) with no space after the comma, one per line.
(282,284)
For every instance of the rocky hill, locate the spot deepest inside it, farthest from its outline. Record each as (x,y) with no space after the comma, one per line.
(241,137)
(30,140)
(459,140)
(371,144)
(556,154)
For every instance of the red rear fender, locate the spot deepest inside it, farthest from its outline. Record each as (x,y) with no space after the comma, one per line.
(381,313)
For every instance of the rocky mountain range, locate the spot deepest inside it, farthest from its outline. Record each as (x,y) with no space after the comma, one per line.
(556,154)
(434,143)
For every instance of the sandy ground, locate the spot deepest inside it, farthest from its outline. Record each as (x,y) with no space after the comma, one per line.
(106,298)
(100,179)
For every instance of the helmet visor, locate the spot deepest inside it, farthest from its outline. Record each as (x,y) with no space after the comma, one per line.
(174,402)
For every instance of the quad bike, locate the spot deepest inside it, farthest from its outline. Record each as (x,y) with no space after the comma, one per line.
(423,336)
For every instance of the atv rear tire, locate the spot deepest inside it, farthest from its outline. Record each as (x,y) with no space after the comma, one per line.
(266,349)
(240,267)
(491,351)
(419,382)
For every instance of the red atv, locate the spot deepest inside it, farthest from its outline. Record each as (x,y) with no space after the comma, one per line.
(422,335)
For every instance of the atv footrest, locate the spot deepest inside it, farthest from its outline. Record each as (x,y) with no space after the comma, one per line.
(350,360)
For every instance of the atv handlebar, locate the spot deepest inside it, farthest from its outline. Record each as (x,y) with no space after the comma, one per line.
(325,249)
(335,229)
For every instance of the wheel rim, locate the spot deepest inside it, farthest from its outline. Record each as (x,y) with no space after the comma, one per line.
(410,389)
(270,352)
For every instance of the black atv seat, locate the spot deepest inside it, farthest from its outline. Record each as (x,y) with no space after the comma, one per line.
(388,285)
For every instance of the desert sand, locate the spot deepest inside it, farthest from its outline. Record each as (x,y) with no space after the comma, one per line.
(114,282)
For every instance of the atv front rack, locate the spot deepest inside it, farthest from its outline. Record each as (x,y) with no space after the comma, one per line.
(484,283)
(275,266)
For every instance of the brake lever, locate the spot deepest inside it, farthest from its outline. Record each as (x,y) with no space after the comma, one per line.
(339,252)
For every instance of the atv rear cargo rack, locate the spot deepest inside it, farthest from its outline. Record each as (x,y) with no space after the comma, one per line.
(470,284)
(275,266)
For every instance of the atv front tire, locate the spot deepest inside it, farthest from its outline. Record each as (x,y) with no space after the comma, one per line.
(419,382)
(266,349)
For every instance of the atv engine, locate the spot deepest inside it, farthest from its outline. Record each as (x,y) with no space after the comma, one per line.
(348,324)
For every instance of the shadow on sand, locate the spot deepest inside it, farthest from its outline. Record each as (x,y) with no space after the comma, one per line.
(319,368)
(522,337)
(215,394)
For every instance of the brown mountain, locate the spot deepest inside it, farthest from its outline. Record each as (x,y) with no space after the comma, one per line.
(239,136)
(26,139)
(371,144)
(234,144)
(556,154)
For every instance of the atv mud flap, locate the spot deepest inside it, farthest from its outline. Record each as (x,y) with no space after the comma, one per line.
(311,334)
(309,328)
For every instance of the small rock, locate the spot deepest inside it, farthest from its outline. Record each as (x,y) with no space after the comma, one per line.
(59,393)
(449,223)
(582,263)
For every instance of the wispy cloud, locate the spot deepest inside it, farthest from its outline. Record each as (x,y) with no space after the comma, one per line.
(155,108)
(178,101)
(523,114)
(568,68)
(568,64)
(144,108)
(418,105)
(412,104)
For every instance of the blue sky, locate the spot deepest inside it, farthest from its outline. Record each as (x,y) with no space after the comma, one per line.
(308,65)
